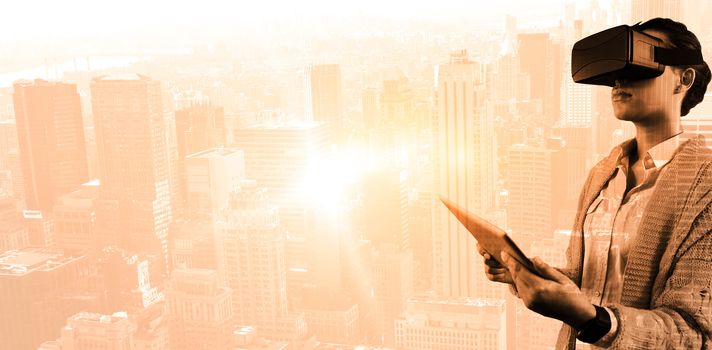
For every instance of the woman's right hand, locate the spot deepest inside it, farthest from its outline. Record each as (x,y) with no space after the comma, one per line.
(495,271)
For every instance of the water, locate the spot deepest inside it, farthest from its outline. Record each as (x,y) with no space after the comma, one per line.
(54,71)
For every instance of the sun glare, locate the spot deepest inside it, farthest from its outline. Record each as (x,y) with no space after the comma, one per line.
(328,179)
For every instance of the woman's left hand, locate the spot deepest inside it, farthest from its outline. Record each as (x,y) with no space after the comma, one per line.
(554,296)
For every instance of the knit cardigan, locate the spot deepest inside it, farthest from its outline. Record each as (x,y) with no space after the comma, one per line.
(666,300)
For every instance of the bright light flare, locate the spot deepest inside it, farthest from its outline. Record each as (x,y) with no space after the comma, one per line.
(328,179)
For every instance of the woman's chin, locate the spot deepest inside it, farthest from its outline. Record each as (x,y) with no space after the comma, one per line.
(624,114)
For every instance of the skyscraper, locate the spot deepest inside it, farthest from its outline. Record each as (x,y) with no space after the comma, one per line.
(578,101)
(210,176)
(385,208)
(278,156)
(465,162)
(256,267)
(540,59)
(392,286)
(199,127)
(134,208)
(529,184)
(398,125)
(325,95)
(51,139)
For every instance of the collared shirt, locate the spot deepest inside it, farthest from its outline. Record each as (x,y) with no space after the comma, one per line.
(612,222)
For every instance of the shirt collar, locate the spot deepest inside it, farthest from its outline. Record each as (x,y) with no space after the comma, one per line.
(657,156)
(662,153)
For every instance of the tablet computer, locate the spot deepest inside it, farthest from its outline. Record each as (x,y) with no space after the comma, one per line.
(490,237)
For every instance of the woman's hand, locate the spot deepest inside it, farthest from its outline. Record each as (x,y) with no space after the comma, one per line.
(554,296)
(496,272)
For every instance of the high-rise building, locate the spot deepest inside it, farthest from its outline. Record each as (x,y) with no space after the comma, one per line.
(210,176)
(385,208)
(396,101)
(398,126)
(578,100)
(420,219)
(507,78)
(199,311)
(256,267)
(529,184)
(465,164)
(199,127)
(432,323)
(85,331)
(40,289)
(134,209)
(325,95)
(579,105)
(51,139)
(540,59)
(279,157)
(392,284)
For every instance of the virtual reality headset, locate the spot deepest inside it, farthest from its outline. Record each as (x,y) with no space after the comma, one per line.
(623,53)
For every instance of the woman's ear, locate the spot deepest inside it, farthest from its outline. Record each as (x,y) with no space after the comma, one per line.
(687,77)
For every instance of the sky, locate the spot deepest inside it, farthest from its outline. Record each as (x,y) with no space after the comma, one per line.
(42,19)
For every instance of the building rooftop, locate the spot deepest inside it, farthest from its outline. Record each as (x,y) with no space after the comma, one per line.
(36,82)
(99,318)
(28,260)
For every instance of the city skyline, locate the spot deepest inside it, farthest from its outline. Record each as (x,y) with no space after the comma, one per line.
(271,179)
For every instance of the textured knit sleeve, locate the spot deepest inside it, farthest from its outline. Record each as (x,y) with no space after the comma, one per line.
(681,316)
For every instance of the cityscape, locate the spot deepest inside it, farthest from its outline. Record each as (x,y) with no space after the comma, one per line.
(274,183)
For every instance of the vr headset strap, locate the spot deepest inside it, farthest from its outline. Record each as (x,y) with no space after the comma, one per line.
(677,56)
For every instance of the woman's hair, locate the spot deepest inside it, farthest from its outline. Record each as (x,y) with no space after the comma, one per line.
(679,36)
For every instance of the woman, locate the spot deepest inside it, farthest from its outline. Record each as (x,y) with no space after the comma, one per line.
(639,272)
